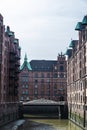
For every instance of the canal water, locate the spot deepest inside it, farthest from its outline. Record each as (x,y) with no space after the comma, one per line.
(42,124)
(51,124)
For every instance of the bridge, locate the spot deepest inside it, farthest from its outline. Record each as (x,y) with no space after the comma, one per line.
(46,108)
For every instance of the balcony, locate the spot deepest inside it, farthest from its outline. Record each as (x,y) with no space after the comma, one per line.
(12,59)
(16,78)
(11,81)
(11,91)
(16,86)
(17,71)
(11,76)
(17,57)
(16,92)
(12,52)
(12,67)
(17,64)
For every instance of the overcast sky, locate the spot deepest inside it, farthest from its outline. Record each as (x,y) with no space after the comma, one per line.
(44,27)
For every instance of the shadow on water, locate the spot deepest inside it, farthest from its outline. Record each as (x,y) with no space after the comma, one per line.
(13,125)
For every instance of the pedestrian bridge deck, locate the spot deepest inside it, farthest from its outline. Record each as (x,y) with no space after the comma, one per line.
(43,101)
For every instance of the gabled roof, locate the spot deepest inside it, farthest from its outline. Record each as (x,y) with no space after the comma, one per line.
(43,65)
(26,64)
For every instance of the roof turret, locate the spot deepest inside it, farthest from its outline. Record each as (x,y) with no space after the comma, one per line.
(26,63)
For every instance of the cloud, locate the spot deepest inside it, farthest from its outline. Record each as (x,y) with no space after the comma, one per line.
(44,27)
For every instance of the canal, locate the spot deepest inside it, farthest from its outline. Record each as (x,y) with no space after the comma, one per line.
(42,124)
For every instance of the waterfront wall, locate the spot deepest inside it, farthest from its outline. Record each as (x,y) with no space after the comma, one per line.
(78,119)
(9,112)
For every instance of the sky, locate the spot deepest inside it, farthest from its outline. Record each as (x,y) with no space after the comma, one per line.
(44,27)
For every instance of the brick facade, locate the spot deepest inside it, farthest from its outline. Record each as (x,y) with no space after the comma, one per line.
(9,74)
(77,75)
(45,79)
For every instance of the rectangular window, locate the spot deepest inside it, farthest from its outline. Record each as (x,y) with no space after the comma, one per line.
(23,86)
(23,92)
(36,92)
(26,86)
(25,79)
(22,98)
(26,91)
(36,86)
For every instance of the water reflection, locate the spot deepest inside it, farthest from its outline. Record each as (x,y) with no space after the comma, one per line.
(43,124)
(51,125)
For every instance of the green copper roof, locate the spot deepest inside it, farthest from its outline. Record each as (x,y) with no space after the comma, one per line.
(84,21)
(15,40)
(19,48)
(68,52)
(73,42)
(78,26)
(26,64)
(10,33)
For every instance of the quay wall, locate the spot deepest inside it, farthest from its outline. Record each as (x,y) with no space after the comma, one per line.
(9,112)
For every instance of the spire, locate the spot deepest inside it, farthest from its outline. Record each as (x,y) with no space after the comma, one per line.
(25,58)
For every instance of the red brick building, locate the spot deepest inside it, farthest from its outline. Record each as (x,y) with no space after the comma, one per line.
(9,74)
(9,64)
(43,79)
